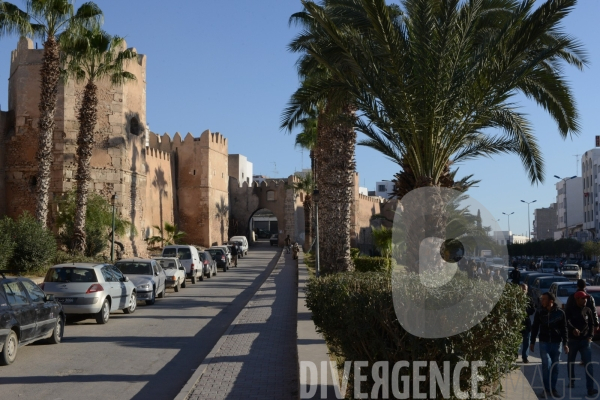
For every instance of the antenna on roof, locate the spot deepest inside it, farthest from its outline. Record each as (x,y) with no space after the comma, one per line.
(275,172)
(577,164)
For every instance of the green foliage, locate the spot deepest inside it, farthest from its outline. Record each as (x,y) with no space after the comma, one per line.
(98,223)
(167,236)
(7,245)
(547,247)
(372,264)
(382,239)
(355,313)
(33,245)
(591,249)
(62,257)
(354,253)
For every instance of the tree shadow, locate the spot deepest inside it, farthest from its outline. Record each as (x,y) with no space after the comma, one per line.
(160,183)
(223,216)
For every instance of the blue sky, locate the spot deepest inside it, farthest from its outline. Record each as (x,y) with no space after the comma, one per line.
(224,66)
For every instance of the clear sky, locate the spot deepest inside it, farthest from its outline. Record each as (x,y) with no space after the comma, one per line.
(224,66)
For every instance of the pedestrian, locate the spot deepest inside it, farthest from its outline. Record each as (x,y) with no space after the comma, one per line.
(580,325)
(551,324)
(295,251)
(487,276)
(591,304)
(498,277)
(526,332)
(515,274)
(234,254)
(288,243)
(514,263)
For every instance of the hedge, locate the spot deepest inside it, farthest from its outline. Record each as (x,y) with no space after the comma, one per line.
(372,264)
(355,313)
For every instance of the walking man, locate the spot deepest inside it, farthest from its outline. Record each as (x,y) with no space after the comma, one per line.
(526,332)
(581,332)
(590,303)
(234,254)
(551,324)
(515,274)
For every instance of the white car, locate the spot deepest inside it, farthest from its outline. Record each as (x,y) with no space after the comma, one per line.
(96,289)
(174,270)
(244,243)
(571,271)
(562,291)
(189,258)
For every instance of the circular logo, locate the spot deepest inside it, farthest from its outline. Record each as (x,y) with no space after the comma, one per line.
(450,272)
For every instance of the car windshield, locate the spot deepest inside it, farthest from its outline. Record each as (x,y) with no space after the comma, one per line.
(71,274)
(570,268)
(169,252)
(184,253)
(215,252)
(134,268)
(565,291)
(167,264)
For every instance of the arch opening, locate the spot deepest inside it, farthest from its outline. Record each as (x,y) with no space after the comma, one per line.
(263,225)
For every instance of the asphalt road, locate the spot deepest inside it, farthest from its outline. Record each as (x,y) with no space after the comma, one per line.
(148,355)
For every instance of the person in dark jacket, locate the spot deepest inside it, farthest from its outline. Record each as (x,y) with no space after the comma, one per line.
(515,274)
(234,254)
(526,332)
(581,332)
(590,303)
(551,324)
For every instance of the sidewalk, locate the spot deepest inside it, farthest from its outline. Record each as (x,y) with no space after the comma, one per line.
(256,358)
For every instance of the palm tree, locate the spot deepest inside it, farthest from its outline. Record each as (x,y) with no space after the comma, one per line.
(306,184)
(334,147)
(91,56)
(47,19)
(167,236)
(307,138)
(434,81)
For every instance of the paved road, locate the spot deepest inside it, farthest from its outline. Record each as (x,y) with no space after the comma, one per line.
(148,355)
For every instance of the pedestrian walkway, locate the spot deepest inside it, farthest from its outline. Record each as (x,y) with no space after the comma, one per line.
(256,358)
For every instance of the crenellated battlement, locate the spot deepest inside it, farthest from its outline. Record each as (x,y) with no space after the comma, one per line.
(371,199)
(158,154)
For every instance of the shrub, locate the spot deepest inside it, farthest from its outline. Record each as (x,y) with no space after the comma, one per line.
(34,247)
(354,253)
(372,264)
(7,245)
(62,257)
(355,313)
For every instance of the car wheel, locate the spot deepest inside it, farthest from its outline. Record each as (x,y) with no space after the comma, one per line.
(103,315)
(59,329)
(176,287)
(214,271)
(202,276)
(193,280)
(9,351)
(183,283)
(132,304)
(208,274)
(153,299)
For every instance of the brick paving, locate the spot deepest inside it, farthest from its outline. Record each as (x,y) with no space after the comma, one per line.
(258,358)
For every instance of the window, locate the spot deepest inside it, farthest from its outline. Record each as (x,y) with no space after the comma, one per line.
(108,275)
(117,274)
(381,188)
(134,126)
(270,195)
(15,294)
(183,253)
(134,268)
(35,293)
(71,274)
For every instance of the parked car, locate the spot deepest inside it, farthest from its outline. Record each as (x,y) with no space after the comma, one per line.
(542,284)
(209,263)
(227,252)
(27,315)
(571,271)
(244,241)
(262,234)
(174,271)
(549,267)
(239,244)
(274,240)
(147,276)
(96,289)
(220,257)
(189,258)
(562,291)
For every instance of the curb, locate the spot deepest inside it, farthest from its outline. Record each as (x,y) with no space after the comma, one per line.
(187,389)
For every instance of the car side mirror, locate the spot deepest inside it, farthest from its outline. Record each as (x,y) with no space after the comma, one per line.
(125,279)
(49,297)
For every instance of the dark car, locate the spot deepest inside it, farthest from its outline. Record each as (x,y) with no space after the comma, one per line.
(274,240)
(262,234)
(27,314)
(220,257)
(210,265)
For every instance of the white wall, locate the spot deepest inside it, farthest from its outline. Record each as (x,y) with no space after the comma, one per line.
(387,186)
(240,168)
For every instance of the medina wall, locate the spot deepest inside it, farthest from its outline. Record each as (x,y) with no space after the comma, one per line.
(160,192)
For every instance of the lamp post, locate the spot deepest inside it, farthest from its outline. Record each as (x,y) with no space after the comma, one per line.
(316,201)
(508,215)
(528,221)
(564,180)
(112,242)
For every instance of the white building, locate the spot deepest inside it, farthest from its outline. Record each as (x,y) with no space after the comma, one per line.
(240,168)
(589,173)
(503,237)
(363,190)
(569,202)
(384,189)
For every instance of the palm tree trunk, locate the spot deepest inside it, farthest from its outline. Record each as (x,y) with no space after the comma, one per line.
(334,154)
(50,74)
(85,144)
(308,207)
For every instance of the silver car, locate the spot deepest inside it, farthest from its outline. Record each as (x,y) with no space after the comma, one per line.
(96,289)
(148,277)
(174,270)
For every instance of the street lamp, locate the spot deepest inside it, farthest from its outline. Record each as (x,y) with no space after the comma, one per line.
(316,201)
(564,180)
(508,215)
(528,223)
(112,242)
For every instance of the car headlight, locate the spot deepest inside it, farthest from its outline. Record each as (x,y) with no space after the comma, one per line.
(145,286)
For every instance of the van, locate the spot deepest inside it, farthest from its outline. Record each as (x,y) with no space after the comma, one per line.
(189,258)
(244,243)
